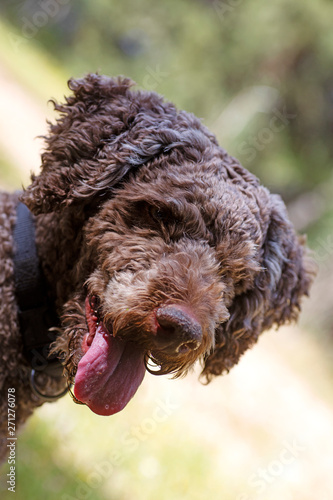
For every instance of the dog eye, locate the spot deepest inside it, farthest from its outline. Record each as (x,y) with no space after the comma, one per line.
(159,215)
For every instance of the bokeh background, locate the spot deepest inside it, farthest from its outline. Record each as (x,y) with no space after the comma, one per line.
(259,74)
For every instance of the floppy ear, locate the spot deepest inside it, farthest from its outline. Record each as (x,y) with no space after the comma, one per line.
(77,152)
(82,156)
(286,275)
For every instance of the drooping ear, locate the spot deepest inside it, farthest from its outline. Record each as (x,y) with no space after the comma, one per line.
(288,268)
(80,159)
(286,275)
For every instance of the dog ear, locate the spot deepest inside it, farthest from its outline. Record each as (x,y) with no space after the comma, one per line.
(286,275)
(80,159)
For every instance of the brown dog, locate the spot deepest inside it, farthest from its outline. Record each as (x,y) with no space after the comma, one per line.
(157,250)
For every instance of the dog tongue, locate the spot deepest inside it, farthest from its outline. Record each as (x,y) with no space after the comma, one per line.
(109,374)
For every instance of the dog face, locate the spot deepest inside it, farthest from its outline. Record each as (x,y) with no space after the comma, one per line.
(184,256)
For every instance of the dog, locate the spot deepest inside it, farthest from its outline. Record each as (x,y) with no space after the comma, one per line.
(147,248)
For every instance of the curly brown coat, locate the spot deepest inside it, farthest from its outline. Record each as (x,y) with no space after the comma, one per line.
(159,249)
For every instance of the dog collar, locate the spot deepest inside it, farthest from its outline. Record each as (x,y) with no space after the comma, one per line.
(38,320)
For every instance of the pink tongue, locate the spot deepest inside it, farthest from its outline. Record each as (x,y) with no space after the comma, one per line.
(109,374)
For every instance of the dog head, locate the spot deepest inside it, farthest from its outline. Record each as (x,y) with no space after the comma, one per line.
(183,255)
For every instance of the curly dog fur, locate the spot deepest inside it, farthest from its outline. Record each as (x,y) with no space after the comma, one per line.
(158,248)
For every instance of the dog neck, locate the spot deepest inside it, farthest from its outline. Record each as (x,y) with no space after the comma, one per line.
(38,320)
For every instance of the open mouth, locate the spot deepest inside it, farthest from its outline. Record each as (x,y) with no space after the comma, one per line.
(111,370)
(93,319)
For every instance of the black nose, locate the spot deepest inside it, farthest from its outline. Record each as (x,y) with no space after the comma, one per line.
(177,329)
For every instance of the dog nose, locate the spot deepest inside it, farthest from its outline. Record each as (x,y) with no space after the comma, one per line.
(177,329)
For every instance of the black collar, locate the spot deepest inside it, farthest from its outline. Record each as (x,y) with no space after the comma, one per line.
(38,320)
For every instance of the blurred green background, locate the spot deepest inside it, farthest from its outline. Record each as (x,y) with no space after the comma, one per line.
(260,76)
